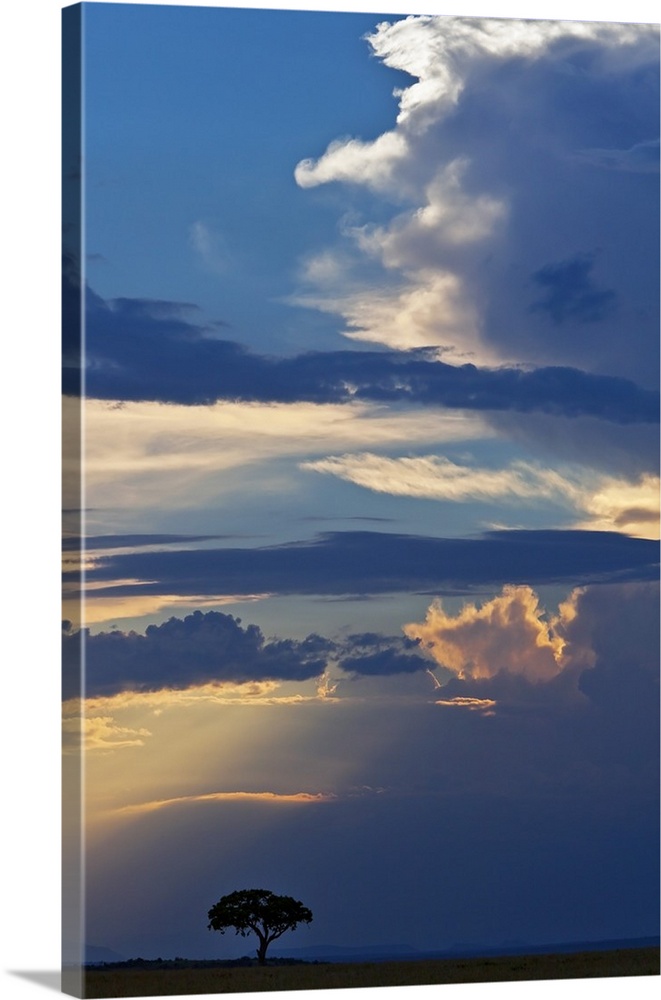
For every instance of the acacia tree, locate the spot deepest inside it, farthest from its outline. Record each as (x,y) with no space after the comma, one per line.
(260,911)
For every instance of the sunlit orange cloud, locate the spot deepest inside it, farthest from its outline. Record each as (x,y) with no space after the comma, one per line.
(507,633)
(99,732)
(275,797)
(483,705)
(222,692)
(249,692)
(111,609)
(629,507)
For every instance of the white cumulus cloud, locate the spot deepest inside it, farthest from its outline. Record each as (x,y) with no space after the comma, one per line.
(441,252)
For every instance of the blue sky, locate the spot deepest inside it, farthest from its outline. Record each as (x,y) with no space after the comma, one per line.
(220,127)
(515,292)
(371,475)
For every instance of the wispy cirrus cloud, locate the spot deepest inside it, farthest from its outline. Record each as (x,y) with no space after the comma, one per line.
(631,506)
(210,246)
(434,477)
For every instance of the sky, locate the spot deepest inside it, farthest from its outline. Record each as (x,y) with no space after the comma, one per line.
(350,740)
(369,606)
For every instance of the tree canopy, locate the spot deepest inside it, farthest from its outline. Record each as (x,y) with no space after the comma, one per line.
(260,912)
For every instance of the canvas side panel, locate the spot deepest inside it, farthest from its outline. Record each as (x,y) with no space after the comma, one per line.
(72,500)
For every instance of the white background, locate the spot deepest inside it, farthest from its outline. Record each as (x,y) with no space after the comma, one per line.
(30,499)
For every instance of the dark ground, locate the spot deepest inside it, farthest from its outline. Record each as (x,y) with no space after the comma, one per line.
(130,982)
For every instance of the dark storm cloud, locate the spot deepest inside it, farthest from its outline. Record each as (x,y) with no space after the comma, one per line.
(157,309)
(617,449)
(372,562)
(214,647)
(571,294)
(185,652)
(621,626)
(143,350)
(71,325)
(609,684)
(573,154)
(370,654)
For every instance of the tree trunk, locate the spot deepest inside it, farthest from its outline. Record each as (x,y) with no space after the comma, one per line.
(261,951)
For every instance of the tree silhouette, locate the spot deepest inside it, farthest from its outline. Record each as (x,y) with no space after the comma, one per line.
(260,911)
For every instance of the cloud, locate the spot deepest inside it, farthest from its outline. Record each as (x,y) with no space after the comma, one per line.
(430,313)
(131,605)
(374,655)
(442,53)
(434,477)
(145,454)
(449,219)
(431,306)
(193,367)
(615,504)
(356,162)
(296,798)
(483,174)
(642,157)
(589,668)
(187,652)
(104,542)
(612,634)
(364,562)
(210,656)
(99,733)
(506,634)
(571,292)
(165,699)
(631,507)
(210,246)
(429,303)
(597,655)
(483,705)
(617,451)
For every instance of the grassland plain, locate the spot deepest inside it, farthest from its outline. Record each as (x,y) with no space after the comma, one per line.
(311,976)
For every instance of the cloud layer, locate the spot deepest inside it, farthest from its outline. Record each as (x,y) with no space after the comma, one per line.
(364,562)
(145,350)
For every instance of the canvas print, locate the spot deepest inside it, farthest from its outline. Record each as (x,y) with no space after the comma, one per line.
(361,411)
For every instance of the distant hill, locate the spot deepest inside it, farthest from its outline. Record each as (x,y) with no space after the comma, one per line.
(402,952)
(95,954)
(340,954)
